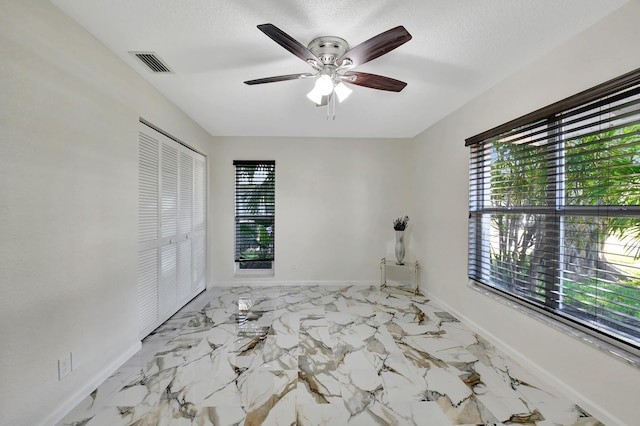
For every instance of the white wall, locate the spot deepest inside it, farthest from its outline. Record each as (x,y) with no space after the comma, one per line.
(604,385)
(336,200)
(69,113)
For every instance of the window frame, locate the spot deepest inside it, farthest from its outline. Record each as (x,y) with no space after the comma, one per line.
(547,115)
(268,215)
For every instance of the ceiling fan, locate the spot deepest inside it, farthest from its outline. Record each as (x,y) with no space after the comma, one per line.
(332,61)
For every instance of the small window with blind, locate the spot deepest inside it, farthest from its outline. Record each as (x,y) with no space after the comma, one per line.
(554,211)
(254,215)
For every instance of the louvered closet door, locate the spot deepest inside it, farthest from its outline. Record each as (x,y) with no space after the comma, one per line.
(148,225)
(172,227)
(167,290)
(185,226)
(199,225)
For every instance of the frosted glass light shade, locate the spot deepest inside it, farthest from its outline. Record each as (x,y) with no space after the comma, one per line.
(342,91)
(323,87)
(315,96)
(324,84)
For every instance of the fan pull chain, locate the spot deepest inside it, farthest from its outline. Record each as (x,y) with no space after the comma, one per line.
(331,106)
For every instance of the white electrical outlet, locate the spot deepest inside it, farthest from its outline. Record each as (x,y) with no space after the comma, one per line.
(294,268)
(64,366)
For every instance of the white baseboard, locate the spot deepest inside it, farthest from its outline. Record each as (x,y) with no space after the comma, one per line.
(248,282)
(533,367)
(76,398)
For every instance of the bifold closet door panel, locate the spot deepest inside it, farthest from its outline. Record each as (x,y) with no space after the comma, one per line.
(185,225)
(198,238)
(148,232)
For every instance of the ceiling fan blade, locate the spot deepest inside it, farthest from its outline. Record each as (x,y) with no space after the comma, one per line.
(374,81)
(277,78)
(288,42)
(376,46)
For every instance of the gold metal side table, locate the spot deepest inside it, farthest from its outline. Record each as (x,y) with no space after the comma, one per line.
(389,267)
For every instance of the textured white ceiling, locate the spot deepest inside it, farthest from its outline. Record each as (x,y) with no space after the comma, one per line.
(459,49)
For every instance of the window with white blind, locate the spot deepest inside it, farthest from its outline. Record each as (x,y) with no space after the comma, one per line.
(254,214)
(554,210)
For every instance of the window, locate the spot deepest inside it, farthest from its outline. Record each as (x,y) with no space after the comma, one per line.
(554,210)
(255,214)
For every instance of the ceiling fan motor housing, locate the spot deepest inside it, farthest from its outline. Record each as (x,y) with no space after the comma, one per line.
(328,48)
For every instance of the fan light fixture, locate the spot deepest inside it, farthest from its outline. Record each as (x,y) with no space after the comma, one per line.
(325,86)
(333,61)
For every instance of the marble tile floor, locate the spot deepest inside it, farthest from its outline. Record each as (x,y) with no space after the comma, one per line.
(318,355)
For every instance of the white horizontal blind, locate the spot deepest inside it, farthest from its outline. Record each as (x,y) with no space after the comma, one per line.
(554,207)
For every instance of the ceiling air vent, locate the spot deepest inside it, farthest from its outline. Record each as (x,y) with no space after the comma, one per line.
(152,61)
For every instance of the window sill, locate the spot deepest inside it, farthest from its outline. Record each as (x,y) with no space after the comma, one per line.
(254,273)
(621,354)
